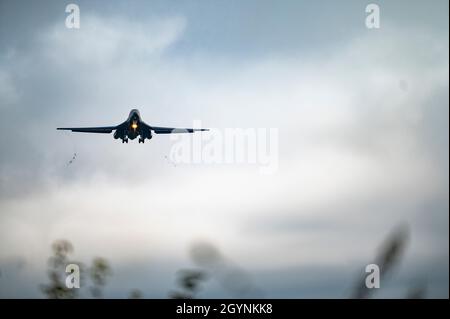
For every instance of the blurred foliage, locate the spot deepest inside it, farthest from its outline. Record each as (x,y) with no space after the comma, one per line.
(57,288)
(189,281)
(210,263)
(205,255)
(135,294)
(99,273)
(417,292)
(230,276)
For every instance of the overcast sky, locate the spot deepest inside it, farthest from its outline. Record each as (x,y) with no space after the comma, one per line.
(362,116)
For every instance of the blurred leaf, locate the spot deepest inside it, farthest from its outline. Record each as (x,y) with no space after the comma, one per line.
(135,294)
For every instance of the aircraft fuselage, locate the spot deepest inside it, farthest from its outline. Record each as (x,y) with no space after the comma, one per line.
(133,128)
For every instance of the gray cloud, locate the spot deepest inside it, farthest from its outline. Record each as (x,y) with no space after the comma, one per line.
(363,119)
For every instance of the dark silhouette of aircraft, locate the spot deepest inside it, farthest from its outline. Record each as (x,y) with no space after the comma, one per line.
(132,128)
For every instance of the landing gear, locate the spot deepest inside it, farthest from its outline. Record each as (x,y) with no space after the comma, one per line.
(125,140)
(141,140)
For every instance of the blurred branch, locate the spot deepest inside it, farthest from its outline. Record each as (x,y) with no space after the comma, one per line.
(388,257)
